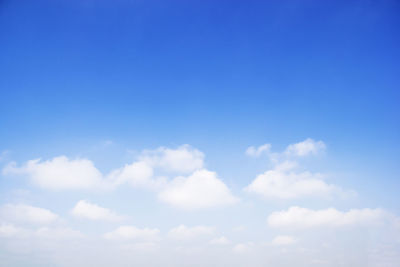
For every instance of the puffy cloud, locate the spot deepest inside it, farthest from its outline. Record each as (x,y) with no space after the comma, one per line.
(285,183)
(59,173)
(9,230)
(87,210)
(184,159)
(57,233)
(183,232)
(127,232)
(297,217)
(305,148)
(243,247)
(258,151)
(220,241)
(137,173)
(27,214)
(283,240)
(202,189)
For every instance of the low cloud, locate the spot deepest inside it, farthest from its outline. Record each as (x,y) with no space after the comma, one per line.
(202,189)
(87,210)
(26,214)
(297,217)
(128,232)
(185,233)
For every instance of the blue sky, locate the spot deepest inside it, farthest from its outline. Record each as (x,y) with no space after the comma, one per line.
(108,81)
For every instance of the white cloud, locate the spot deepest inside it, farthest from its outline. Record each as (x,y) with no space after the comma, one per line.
(184,159)
(137,174)
(305,148)
(183,232)
(59,173)
(297,217)
(27,214)
(220,241)
(202,189)
(283,240)
(57,233)
(133,233)
(258,151)
(243,247)
(87,210)
(9,230)
(285,183)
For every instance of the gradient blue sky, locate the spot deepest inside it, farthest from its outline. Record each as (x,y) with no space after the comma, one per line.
(106,79)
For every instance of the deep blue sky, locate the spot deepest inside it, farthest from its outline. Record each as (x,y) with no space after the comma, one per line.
(219,75)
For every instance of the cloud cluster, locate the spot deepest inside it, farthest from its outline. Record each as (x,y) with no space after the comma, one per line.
(127,232)
(27,214)
(87,210)
(200,189)
(183,232)
(286,180)
(297,217)
(59,173)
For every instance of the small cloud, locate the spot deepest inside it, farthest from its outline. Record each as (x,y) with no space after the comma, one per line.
(87,210)
(202,189)
(21,213)
(127,232)
(258,151)
(305,148)
(220,241)
(185,233)
(297,217)
(283,240)
(243,247)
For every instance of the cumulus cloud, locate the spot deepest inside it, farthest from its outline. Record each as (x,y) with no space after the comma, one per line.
(184,159)
(283,240)
(202,189)
(87,210)
(285,182)
(137,174)
(127,232)
(59,173)
(220,241)
(297,217)
(243,247)
(258,151)
(27,214)
(57,233)
(305,148)
(183,232)
(10,230)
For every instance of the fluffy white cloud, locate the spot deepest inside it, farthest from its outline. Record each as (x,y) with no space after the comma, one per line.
(127,232)
(220,241)
(57,233)
(59,173)
(10,230)
(297,217)
(305,148)
(258,151)
(27,214)
(183,232)
(87,210)
(202,189)
(243,247)
(184,159)
(283,240)
(285,183)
